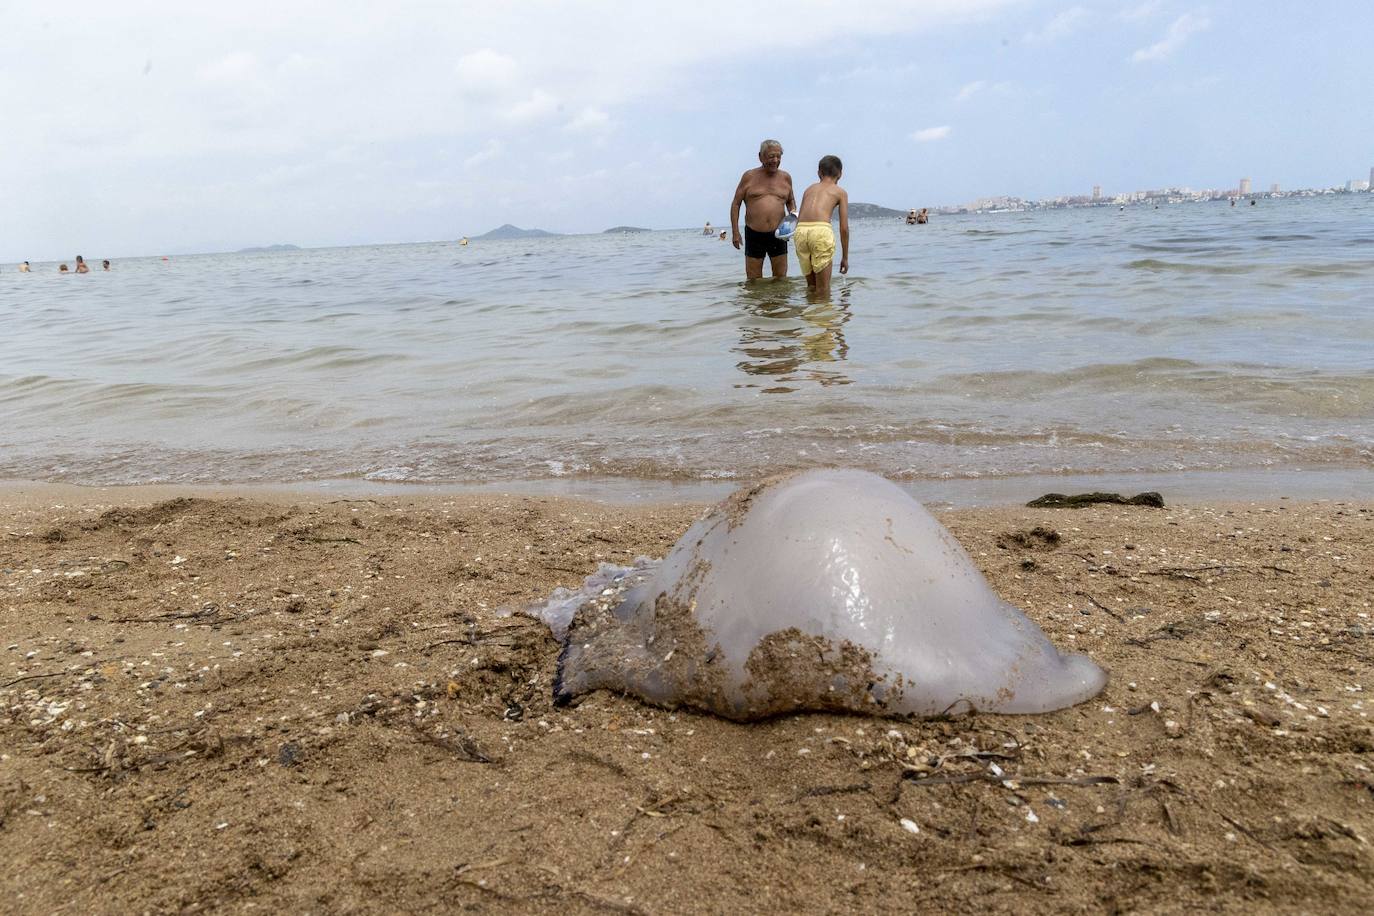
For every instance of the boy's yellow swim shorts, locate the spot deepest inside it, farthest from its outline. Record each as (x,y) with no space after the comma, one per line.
(815,246)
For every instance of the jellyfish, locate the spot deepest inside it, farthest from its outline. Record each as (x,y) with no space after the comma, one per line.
(826,590)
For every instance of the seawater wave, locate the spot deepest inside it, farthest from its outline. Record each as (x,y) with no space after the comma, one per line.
(1193,337)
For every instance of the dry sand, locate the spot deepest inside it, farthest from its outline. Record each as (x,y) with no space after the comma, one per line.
(305,705)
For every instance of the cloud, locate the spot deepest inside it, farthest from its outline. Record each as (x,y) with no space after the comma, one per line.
(981,87)
(873,73)
(485,72)
(589,119)
(487,153)
(931,134)
(1061,26)
(1183,27)
(969,90)
(1143,11)
(387,98)
(534,107)
(230,69)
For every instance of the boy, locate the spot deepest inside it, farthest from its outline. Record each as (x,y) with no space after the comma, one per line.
(814,240)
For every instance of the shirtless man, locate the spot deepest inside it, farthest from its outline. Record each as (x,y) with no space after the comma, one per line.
(766,193)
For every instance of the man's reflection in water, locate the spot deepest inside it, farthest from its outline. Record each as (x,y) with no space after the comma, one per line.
(790,340)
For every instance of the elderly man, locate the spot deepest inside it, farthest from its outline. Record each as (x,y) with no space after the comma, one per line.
(766,193)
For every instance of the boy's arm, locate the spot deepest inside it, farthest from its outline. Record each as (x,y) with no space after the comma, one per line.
(735,238)
(844,231)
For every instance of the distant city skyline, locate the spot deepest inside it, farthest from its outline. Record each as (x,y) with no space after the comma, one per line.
(1174,193)
(155,127)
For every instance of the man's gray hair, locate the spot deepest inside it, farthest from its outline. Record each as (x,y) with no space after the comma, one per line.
(766,144)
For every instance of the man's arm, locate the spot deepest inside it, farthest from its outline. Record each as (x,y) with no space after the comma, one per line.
(791,198)
(844,231)
(735,238)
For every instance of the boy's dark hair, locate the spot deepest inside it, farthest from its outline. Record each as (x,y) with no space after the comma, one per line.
(831,166)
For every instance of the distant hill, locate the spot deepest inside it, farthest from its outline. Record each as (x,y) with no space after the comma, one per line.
(625,229)
(515,232)
(872,211)
(269,248)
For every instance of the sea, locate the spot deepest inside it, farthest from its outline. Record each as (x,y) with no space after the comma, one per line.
(1197,348)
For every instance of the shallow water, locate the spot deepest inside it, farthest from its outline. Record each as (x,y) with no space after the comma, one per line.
(1194,337)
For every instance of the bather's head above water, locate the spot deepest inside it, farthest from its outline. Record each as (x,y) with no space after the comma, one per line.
(822,590)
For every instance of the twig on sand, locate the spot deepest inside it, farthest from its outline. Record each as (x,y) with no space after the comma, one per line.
(209,612)
(472,639)
(31,677)
(1186,572)
(1101,607)
(1242,828)
(1176,630)
(477,866)
(1009,780)
(460,745)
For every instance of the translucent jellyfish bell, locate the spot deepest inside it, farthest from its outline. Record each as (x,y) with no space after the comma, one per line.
(822,590)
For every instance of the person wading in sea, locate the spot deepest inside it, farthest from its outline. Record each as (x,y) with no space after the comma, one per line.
(766,193)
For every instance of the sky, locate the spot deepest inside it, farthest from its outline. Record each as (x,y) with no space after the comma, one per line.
(139,128)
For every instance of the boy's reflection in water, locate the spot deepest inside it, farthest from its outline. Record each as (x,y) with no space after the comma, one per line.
(792,338)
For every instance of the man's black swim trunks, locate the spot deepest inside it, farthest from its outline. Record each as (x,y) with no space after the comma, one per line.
(763,244)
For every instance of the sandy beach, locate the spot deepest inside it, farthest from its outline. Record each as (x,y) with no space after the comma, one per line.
(295,702)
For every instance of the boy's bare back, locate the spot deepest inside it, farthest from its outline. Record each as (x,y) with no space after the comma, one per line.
(820,200)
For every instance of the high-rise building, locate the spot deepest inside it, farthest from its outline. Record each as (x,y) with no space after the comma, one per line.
(1371,177)
(1274,188)
(1244,186)
(1097,188)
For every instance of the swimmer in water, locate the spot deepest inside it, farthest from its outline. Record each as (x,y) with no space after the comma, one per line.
(81,267)
(105,264)
(24,268)
(62,269)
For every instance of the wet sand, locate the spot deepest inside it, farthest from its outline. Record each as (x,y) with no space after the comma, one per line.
(298,702)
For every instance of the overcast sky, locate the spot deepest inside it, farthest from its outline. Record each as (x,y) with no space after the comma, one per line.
(149,128)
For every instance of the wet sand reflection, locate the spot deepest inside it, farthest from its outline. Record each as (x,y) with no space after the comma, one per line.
(789,337)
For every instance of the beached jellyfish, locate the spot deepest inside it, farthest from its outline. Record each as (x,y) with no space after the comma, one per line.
(820,590)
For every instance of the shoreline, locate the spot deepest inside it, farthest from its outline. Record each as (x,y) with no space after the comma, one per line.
(1177,487)
(314,702)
